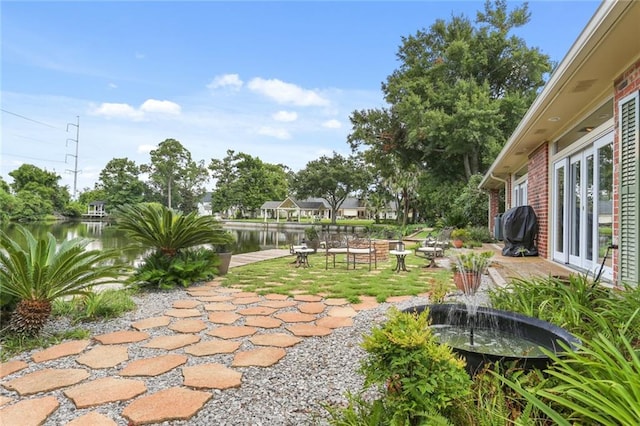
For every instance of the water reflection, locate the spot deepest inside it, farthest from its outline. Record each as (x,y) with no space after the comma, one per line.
(108,236)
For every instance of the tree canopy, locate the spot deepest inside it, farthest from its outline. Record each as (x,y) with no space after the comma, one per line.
(121,183)
(176,176)
(245,182)
(333,179)
(459,92)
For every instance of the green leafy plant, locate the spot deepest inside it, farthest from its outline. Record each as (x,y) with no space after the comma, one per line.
(418,378)
(13,344)
(38,271)
(160,228)
(472,262)
(186,268)
(461,234)
(597,384)
(95,305)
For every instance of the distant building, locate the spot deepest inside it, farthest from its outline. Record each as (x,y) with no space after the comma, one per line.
(96,209)
(318,208)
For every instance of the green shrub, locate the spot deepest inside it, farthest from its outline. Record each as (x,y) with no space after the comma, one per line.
(183,269)
(418,378)
(480,233)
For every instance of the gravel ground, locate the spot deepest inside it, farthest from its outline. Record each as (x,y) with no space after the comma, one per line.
(314,373)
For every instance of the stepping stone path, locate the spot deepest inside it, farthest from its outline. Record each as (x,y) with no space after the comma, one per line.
(249,330)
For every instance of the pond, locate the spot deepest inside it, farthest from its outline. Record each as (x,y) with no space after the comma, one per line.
(107,235)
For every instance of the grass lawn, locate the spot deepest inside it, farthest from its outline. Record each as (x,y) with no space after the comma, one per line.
(283,277)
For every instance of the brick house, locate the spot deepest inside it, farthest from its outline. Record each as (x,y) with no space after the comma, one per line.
(574,157)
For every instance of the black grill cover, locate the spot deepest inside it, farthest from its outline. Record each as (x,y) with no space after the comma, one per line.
(520,232)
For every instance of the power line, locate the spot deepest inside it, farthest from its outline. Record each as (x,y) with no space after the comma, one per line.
(33,158)
(28,119)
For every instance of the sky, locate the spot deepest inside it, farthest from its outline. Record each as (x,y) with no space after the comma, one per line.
(83,82)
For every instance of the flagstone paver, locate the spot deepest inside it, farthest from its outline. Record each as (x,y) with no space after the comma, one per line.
(185,304)
(336,302)
(172,342)
(232,331)
(153,366)
(188,326)
(211,376)
(312,307)
(257,310)
(276,296)
(46,380)
(5,400)
(397,299)
(119,337)
(246,300)
(92,419)
(220,307)
(334,322)
(182,313)
(224,317)
(365,305)
(105,390)
(11,367)
(262,322)
(280,340)
(308,330)
(72,347)
(176,403)
(278,304)
(307,298)
(342,311)
(104,356)
(217,298)
(295,317)
(213,347)
(29,412)
(261,357)
(152,322)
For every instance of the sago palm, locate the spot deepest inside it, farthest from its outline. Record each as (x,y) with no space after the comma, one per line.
(37,271)
(155,226)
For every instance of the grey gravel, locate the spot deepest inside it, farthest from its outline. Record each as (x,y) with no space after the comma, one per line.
(315,373)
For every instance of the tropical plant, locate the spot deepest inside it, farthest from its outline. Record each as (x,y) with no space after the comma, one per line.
(597,384)
(461,234)
(38,271)
(160,228)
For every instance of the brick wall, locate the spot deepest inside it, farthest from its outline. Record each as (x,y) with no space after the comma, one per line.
(626,84)
(538,193)
(494,208)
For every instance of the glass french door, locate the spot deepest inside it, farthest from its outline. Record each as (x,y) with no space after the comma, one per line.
(582,207)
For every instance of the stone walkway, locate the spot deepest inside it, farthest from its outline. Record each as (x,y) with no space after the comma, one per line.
(255,330)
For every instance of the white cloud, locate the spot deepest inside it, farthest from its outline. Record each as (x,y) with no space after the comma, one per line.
(226,80)
(145,149)
(276,133)
(332,124)
(165,107)
(285,116)
(286,93)
(117,110)
(113,86)
(150,106)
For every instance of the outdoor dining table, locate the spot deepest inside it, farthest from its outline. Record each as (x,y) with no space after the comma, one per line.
(302,256)
(400,259)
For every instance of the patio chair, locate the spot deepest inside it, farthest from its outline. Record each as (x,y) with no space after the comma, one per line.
(335,244)
(361,250)
(433,247)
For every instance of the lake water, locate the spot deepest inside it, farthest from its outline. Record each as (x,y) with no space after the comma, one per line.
(107,235)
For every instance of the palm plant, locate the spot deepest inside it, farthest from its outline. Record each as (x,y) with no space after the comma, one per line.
(155,226)
(38,271)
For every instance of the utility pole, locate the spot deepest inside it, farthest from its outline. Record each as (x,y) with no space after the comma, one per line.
(75,168)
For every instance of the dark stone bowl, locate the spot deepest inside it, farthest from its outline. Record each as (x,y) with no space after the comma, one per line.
(540,332)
